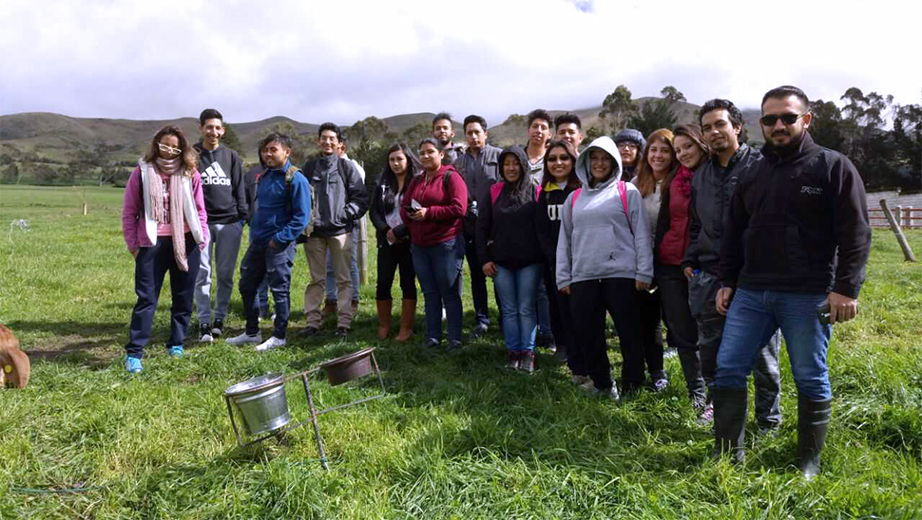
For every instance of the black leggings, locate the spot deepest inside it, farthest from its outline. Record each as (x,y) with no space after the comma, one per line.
(390,257)
(589,300)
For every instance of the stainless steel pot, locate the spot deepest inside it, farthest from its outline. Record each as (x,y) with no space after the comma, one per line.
(261,403)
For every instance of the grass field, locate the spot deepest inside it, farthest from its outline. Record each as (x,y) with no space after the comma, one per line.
(457,436)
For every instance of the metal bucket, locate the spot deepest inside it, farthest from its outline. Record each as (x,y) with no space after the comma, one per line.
(261,403)
(349,367)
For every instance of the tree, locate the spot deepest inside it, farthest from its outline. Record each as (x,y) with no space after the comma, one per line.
(826,127)
(231,140)
(672,95)
(10,174)
(416,133)
(617,108)
(657,113)
(44,174)
(593,133)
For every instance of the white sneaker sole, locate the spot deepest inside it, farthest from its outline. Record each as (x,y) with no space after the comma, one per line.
(271,343)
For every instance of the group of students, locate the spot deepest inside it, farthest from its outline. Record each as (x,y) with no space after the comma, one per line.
(661,228)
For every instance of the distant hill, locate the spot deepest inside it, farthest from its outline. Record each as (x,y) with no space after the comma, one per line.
(28,139)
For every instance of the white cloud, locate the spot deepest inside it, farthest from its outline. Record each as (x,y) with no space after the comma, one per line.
(340,61)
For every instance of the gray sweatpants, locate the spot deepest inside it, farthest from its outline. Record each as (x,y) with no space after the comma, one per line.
(702,291)
(224,246)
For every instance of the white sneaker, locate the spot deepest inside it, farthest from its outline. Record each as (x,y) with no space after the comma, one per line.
(270,343)
(245,338)
(206,338)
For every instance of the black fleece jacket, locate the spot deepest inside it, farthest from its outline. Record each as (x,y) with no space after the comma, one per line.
(506,234)
(798,223)
(223,185)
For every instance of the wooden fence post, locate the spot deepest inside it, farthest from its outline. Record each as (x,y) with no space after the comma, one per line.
(907,253)
(363,251)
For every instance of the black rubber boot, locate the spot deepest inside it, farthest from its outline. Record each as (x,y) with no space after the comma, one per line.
(812,421)
(729,422)
(691,368)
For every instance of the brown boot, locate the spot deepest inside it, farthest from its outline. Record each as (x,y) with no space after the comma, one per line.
(407,314)
(384,318)
(329,309)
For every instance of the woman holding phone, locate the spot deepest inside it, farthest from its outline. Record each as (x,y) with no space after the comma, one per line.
(433,208)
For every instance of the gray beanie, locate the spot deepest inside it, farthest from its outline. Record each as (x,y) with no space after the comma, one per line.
(631,136)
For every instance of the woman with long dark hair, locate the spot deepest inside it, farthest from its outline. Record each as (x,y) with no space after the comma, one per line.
(670,242)
(507,246)
(604,255)
(559,181)
(394,241)
(433,207)
(165,228)
(654,165)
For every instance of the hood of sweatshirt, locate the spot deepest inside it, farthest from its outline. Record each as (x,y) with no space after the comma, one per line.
(517,151)
(606,144)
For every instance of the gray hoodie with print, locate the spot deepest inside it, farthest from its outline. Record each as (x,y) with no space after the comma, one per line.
(596,239)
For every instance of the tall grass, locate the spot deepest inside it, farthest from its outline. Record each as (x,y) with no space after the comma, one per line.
(456,436)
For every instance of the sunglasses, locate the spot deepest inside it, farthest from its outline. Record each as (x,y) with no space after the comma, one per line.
(787,119)
(165,148)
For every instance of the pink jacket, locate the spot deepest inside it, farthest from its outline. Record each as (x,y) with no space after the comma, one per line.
(140,230)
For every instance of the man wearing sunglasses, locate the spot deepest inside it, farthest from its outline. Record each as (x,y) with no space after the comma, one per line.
(712,187)
(793,256)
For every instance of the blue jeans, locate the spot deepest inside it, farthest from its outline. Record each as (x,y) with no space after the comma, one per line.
(517,290)
(753,318)
(331,292)
(274,265)
(543,308)
(262,299)
(439,269)
(150,267)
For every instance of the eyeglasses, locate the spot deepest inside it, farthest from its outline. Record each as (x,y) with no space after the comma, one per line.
(627,146)
(787,119)
(165,148)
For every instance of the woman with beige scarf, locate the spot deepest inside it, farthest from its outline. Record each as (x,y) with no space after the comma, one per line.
(165,227)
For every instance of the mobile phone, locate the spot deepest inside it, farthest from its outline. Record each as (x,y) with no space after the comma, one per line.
(823,313)
(410,209)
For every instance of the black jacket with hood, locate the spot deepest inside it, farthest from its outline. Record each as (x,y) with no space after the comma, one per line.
(798,222)
(223,184)
(341,196)
(506,234)
(712,187)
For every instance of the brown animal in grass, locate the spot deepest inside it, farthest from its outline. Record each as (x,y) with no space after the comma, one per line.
(14,363)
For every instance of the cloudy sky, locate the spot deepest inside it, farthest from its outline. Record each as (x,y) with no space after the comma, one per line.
(346,59)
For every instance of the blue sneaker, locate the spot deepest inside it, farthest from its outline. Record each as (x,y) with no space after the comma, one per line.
(175,351)
(133,365)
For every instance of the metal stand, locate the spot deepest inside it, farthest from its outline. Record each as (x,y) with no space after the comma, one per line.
(314,412)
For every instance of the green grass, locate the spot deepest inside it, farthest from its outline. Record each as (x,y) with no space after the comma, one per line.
(456,436)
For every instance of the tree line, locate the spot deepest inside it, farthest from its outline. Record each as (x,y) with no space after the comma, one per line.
(882,138)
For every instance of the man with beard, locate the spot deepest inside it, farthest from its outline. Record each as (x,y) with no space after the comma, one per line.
(712,187)
(444,132)
(793,256)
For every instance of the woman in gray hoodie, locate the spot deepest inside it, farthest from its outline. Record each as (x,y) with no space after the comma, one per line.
(604,254)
